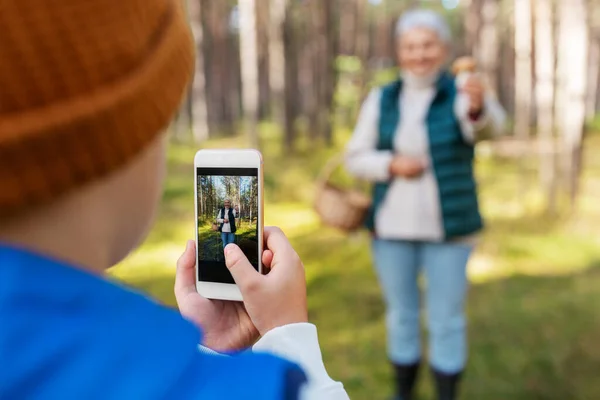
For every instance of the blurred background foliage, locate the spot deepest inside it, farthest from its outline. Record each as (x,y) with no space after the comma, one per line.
(288,76)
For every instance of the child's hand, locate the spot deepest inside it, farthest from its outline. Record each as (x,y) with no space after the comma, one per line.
(225,324)
(276,299)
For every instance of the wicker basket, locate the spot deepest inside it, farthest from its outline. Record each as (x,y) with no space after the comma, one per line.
(338,207)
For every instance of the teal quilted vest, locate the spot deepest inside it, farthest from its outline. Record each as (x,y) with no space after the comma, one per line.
(451,156)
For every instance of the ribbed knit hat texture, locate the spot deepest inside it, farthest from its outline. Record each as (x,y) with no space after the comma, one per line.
(85,85)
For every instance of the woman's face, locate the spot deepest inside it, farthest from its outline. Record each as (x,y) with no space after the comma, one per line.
(421,52)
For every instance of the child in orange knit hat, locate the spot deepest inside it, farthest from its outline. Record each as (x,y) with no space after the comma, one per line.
(87,88)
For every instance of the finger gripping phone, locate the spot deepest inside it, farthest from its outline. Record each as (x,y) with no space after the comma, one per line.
(229,209)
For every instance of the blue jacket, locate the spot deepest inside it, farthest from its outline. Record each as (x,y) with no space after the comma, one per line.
(451,156)
(66,334)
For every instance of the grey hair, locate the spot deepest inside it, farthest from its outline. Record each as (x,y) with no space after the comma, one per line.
(227,199)
(422,18)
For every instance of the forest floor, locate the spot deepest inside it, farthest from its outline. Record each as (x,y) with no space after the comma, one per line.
(534,303)
(211,247)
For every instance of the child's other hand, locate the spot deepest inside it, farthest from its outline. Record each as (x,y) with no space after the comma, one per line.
(276,299)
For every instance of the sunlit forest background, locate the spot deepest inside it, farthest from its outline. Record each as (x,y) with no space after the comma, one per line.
(212,191)
(288,77)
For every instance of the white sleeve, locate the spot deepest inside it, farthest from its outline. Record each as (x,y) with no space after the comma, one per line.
(496,114)
(362,157)
(220,218)
(299,343)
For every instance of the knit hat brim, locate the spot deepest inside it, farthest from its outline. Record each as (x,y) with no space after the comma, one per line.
(48,151)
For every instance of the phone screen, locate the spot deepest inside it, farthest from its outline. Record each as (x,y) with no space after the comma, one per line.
(227,213)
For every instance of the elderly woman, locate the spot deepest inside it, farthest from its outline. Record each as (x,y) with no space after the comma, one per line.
(226,221)
(414,139)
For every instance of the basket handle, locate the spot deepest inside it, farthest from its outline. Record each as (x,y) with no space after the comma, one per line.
(330,166)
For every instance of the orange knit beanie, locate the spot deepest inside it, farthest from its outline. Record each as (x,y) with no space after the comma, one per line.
(85,85)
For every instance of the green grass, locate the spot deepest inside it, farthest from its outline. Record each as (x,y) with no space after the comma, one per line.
(211,247)
(533,306)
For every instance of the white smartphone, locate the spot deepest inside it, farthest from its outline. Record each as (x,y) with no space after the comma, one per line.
(229,209)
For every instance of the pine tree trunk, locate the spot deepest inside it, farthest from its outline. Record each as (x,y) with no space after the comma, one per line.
(472,26)
(361,48)
(329,75)
(506,87)
(488,45)
(277,61)
(348,28)
(523,87)
(218,64)
(314,50)
(233,95)
(201,208)
(291,84)
(544,51)
(593,75)
(363,42)
(263,26)
(239,198)
(207,47)
(314,82)
(573,51)
(199,112)
(249,65)
(522,68)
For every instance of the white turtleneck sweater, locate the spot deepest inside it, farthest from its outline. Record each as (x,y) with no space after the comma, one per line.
(411,208)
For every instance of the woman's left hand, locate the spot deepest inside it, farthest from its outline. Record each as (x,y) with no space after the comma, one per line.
(225,324)
(475,90)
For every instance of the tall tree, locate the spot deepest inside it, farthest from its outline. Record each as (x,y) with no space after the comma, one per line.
(262,33)
(593,75)
(348,28)
(312,74)
(220,65)
(249,65)
(573,55)
(200,191)
(488,44)
(329,47)
(362,30)
(472,26)
(199,112)
(593,60)
(292,89)
(544,84)
(277,60)
(523,88)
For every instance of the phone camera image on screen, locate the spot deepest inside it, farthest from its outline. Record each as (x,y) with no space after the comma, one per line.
(227,213)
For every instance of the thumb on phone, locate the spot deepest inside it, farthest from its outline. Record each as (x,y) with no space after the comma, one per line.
(244,274)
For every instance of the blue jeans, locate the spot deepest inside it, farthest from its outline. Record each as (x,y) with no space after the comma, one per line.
(398,264)
(227,237)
